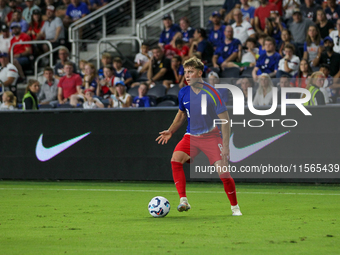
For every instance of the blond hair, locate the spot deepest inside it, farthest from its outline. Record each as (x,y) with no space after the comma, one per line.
(312,78)
(12,98)
(195,63)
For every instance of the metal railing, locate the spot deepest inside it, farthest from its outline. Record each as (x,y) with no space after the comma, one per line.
(34,42)
(112,39)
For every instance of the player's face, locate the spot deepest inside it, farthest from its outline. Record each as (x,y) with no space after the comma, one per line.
(192,75)
(284,36)
(88,95)
(312,32)
(288,52)
(269,46)
(238,16)
(142,90)
(167,23)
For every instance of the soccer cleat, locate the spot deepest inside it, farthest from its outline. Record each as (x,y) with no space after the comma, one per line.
(236,210)
(183,205)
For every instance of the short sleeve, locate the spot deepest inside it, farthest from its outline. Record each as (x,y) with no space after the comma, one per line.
(305,46)
(79,81)
(201,46)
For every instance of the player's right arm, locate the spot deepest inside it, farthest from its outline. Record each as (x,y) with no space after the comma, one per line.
(179,120)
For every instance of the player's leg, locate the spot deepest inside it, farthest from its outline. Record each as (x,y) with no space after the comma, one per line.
(177,161)
(229,188)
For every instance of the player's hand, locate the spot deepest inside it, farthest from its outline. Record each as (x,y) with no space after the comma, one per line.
(164,137)
(225,154)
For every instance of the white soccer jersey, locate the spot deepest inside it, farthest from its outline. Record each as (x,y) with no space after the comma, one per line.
(336,39)
(243,31)
(9,71)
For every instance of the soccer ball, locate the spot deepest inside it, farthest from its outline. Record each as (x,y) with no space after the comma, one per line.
(159,207)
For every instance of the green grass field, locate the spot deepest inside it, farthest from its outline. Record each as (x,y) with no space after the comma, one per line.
(112,218)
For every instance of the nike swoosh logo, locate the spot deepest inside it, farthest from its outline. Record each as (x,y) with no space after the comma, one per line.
(44,154)
(186,102)
(238,154)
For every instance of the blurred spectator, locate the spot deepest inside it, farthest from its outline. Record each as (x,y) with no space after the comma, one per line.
(108,82)
(20,51)
(30,100)
(264,93)
(312,44)
(324,25)
(201,46)
(90,80)
(267,62)
(214,79)
(278,4)
(17,18)
(96,4)
(53,29)
(120,99)
(228,6)
(14,6)
(186,31)
(329,57)
(285,83)
(331,88)
(75,10)
(289,65)
(261,37)
(142,100)
(106,60)
(288,7)
(43,7)
(248,12)
(61,9)
(274,26)
(5,39)
(81,68)
(169,31)
(90,101)
(335,35)
(316,82)
(122,72)
(216,33)
(9,101)
(4,10)
(254,3)
(177,70)
(305,70)
(309,9)
(35,25)
(227,52)
(63,54)
(159,67)
(299,28)
(332,11)
(68,84)
(8,72)
(179,49)
(286,37)
(262,13)
(248,54)
(242,28)
(245,84)
(28,11)
(49,89)
(142,58)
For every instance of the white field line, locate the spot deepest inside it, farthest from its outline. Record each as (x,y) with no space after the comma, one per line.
(174,191)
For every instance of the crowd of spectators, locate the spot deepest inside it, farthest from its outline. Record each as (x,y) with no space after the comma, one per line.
(281,43)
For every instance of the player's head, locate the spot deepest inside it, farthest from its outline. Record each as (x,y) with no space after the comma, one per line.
(193,70)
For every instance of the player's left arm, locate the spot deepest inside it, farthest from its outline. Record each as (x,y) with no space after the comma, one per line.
(225,129)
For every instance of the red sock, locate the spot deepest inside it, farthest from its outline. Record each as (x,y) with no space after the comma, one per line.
(179,178)
(229,187)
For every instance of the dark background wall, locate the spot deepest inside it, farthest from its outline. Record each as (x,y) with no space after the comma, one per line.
(122,144)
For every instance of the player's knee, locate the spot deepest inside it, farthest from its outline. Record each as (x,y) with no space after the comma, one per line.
(180,157)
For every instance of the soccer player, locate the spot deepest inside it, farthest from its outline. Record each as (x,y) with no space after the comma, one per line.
(200,135)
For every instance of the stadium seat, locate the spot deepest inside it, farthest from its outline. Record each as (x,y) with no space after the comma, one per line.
(247,73)
(233,72)
(153,100)
(157,91)
(65,106)
(214,69)
(134,74)
(133,91)
(173,91)
(166,103)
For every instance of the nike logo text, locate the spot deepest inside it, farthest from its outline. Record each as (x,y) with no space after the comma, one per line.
(186,102)
(238,154)
(44,154)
